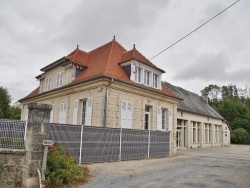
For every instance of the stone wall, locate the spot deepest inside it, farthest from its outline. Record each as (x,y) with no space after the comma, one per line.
(11,162)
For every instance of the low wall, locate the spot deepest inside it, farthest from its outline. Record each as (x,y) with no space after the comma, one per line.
(11,162)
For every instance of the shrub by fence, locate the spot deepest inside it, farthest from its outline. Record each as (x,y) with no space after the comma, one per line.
(88,144)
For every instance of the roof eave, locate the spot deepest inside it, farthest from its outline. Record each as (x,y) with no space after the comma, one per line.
(154,67)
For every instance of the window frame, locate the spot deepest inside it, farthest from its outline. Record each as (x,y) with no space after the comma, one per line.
(47,83)
(59,79)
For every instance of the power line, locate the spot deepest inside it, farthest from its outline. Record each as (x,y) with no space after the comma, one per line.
(195,30)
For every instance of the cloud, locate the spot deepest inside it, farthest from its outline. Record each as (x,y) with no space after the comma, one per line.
(212,67)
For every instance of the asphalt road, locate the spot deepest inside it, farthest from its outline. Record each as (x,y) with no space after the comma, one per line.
(205,167)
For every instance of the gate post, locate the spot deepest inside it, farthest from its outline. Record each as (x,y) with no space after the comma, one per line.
(37,131)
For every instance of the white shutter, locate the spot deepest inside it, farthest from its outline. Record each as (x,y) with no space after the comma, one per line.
(52,114)
(170,120)
(89,107)
(62,113)
(129,114)
(126,114)
(123,113)
(75,112)
(159,119)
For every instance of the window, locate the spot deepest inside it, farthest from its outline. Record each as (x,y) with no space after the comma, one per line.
(195,132)
(147,117)
(85,109)
(62,113)
(155,80)
(83,113)
(163,125)
(207,133)
(164,119)
(138,72)
(47,84)
(217,133)
(75,112)
(73,74)
(59,79)
(126,114)
(146,77)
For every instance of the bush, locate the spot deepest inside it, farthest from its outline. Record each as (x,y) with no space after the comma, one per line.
(240,136)
(61,169)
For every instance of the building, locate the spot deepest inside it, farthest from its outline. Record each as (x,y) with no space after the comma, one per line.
(198,124)
(108,86)
(112,87)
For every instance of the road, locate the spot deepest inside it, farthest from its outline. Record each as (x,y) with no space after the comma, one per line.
(204,167)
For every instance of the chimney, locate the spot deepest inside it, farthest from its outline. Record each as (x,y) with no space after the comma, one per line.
(204,96)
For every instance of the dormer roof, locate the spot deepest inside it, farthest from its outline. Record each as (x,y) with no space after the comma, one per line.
(134,54)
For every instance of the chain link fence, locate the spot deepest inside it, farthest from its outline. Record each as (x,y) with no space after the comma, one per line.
(12,134)
(88,144)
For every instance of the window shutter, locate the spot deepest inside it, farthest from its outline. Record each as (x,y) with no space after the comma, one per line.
(170,120)
(62,113)
(129,114)
(159,119)
(123,113)
(126,114)
(89,107)
(52,114)
(75,112)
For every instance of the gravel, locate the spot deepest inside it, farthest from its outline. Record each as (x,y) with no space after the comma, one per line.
(204,167)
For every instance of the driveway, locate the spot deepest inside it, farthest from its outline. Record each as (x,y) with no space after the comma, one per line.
(205,167)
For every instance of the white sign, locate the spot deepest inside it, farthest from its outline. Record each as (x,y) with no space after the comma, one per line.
(48,142)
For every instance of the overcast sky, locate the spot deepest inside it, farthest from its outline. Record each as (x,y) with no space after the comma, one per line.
(34,34)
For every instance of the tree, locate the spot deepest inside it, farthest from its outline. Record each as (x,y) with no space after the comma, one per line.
(234,111)
(5,100)
(14,112)
(213,93)
(240,136)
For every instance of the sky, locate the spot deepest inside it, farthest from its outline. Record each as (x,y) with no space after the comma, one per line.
(34,34)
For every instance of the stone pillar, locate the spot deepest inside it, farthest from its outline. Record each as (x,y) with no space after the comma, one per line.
(182,133)
(201,135)
(212,134)
(188,134)
(37,131)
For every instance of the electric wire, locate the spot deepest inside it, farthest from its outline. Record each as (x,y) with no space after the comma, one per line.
(194,30)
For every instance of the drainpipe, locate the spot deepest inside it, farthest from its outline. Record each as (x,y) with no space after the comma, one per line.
(106,104)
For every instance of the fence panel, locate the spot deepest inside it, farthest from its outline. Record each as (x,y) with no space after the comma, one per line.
(159,144)
(12,134)
(100,144)
(134,144)
(68,136)
(88,144)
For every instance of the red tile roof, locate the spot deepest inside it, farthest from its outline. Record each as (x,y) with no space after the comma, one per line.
(134,54)
(78,56)
(105,60)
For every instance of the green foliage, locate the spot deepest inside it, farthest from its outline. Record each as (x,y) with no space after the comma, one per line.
(4,102)
(240,136)
(14,112)
(234,106)
(62,169)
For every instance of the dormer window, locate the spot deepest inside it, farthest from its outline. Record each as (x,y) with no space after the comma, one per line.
(138,74)
(47,84)
(146,77)
(155,80)
(59,79)
(73,73)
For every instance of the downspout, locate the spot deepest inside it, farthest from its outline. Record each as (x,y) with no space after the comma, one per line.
(106,104)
